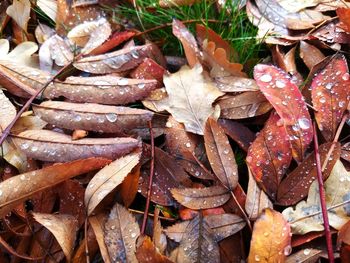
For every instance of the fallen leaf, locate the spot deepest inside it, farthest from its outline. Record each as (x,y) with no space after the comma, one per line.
(220,154)
(52,146)
(108,179)
(306,255)
(120,234)
(28,123)
(114,40)
(336,193)
(147,252)
(19,11)
(97,223)
(310,54)
(129,186)
(271,238)
(343,14)
(201,198)
(8,111)
(49,7)
(63,227)
(270,155)
(235,84)
(287,100)
(190,97)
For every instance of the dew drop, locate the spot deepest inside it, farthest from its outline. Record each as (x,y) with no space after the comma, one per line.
(22,177)
(34,149)
(123,81)
(304,123)
(188,145)
(287,250)
(25,146)
(307,251)
(133,235)
(141,85)
(280,84)
(329,86)
(257,258)
(111,117)
(322,99)
(345,76)
(77,118)
(266,78)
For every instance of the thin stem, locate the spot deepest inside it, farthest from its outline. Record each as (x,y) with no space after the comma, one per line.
(152,215)
(150,182)
(323,199)
(242,211)
(86,240)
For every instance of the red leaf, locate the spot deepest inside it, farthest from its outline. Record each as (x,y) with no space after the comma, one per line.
(286,98)
(149,69)
(116,39)
(344,16)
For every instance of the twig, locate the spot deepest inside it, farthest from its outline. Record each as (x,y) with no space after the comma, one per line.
(150,182)
(323,199)
(152,215)
(242,211)
(86,241)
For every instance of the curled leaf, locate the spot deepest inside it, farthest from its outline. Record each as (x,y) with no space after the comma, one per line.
(20,12)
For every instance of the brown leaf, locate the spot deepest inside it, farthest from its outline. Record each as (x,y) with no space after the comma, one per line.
(63,227)
(120,233)
(18,188)
(19,11)
(271,238)
(343,14)
(108,179)
(107,89)
(330,95)
(270,155)
(306,255)
(28,123)
(129,186)
(115,40)
(310,54)
(8,111)
(147,252)
(201,198)
(113,62)
(235,84)
(52,146)
(220,154)
(296,186)
(149,69)
(97,223)
(245,105)
(92,117)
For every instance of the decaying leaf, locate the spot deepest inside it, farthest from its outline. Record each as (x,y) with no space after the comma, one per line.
(108,179)
(97,224)
(270,155)
(296,186)
(201,198)
(271,238)
(147,252)
(63,227)
(330,95)
(279,90)
(20,12)
(120,233)
(190,97)
(92,117)
(336,189)
(310,54)
(52,146)
(220,154)
(18,188)
(7,112)
(306,255)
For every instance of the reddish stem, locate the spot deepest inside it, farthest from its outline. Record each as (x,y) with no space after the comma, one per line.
(150,182)
(323,199)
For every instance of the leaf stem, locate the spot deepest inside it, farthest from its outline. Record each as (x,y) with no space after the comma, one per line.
(246,218)
(323,198)
(150,182)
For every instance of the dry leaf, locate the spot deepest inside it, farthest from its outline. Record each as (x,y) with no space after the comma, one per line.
(306,255)
(97,223)
(49,7)
(120,233)
(310,54)
(7,113)
(108,179)
(130,186)
(235,84)
(20,12)
(52,146)
(147,252)
(63,227)
(190,97)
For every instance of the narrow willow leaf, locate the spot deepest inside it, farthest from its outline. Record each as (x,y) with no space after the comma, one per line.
(120,233)
(18,188)
(92,117)
(270,155)
(117,61)
(52,146)
(108,179)
(63,227)
(220,154)
(296,186)
(201,198)
(106,89)
(287,100)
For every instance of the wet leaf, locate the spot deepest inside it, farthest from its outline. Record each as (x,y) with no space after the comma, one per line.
(190,97)
(310,54)
(201,198)
(92,117)
(8,111)
(13,155)
(49,7)
(270,155)
(271,238)
(330,95)
(306,255)
(114,62)
(235,84)
(336,189)
(28,123)
(63,227)
(129,186)
(108,179)
(97,224)
(20,12)
(18,188)
(343,14)
(120,233)
(114,40)
(296,186)
(147,252)
(220,154)
(52,146)
(106,89)
(286,98)
(149,69)
(245,105)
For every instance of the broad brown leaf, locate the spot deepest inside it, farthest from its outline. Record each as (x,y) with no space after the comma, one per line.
(310,54)
(306,255)
(149,69)
(271,238)
(270,155)
(120,233)
(220,154)
(201,198)
(296,186)
(97,223)
(52,146)
(18,188)
(92,117)
(63,227)
(287,100)
(147,252)
(344,17)
(330,95)
(108,179)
